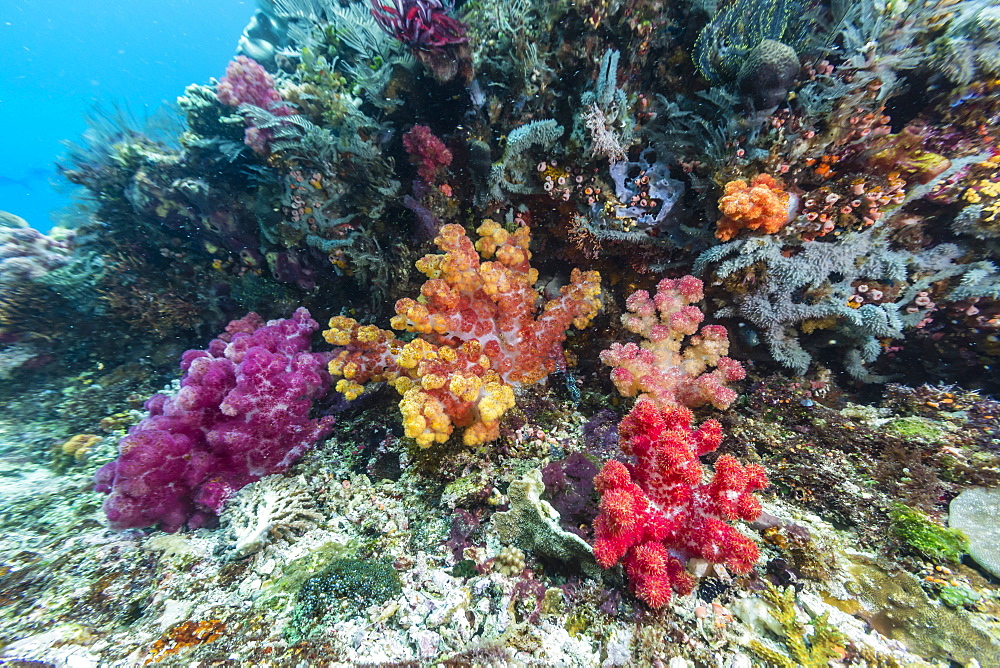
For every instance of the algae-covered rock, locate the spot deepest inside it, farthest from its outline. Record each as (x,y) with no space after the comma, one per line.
(915,428)
(974,512)
(814,647)
(925,536)
(473,488)
(533,525)
(897,607)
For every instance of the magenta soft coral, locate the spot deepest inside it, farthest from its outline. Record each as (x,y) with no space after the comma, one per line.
(242,413)
(427,153)
(657,513)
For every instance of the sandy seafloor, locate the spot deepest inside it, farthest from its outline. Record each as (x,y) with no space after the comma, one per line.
(73,593)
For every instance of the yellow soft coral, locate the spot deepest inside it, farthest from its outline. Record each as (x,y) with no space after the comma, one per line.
(479,331)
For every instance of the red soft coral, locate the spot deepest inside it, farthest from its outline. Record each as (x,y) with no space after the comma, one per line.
(658,513)
(427,153)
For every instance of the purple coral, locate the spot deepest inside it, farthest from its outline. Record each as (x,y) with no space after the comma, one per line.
(247,82)
(242,413)
(26,254)
(569,487)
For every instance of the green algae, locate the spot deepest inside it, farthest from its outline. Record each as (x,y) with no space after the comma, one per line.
(924,536)
(958,597)
(915,428)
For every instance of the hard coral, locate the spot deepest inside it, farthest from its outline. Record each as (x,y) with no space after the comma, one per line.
(659,369)
(658,512)
(242,413)
(479,334)
(762,205)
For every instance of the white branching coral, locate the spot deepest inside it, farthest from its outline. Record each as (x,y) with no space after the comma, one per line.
(275,508)
(604,141)
(605,114)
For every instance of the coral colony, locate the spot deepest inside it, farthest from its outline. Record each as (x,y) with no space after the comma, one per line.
(242,413)
(656,333)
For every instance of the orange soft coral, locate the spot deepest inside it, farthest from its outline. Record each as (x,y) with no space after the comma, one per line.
(479,333)
(761,205)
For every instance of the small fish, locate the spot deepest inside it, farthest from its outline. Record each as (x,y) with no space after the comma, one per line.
(29,180)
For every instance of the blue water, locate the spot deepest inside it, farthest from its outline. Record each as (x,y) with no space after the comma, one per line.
(60,58)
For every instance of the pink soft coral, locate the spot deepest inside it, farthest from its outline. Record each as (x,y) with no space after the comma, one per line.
(664,368)
(247,82)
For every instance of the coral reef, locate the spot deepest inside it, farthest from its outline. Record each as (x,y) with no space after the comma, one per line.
(829,172)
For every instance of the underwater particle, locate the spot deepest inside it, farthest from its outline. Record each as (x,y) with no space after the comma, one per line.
(974,513)
(925,536)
